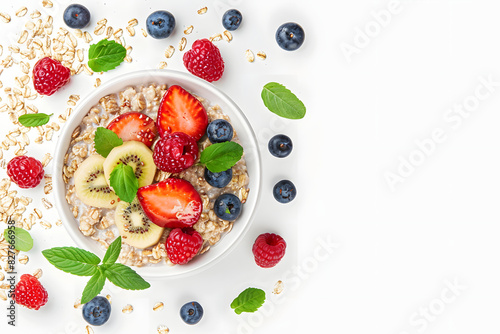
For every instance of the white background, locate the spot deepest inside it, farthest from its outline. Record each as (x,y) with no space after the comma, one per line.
(395,250)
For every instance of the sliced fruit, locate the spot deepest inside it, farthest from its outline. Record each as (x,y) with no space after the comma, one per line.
(171,203)
(91,186)
(134,126)
(135,227)
(180,111)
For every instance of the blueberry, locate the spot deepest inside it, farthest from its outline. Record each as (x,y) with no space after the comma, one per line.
(284,191)
(191,313)
(97,311)
(290,36)
(232,19)
(219,130)
(160,24)
(280,146)
(218,180)
(76,16)
(227,207)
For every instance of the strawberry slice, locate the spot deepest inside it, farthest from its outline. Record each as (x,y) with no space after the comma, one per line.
(134,126)
(180,111)
(171,203)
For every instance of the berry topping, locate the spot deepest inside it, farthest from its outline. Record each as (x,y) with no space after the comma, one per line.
(76,16)
(284,191)
(29,292)
(175,152)
(227,207)
(191,313)
(219,130)
(160,24)
(97,311)
(49,75)
(26,172)
(290,36)
(134,126)
(268,249)
(280,146)
(232,19)
(183,244)
(218,180)
(204,60)
(171,203)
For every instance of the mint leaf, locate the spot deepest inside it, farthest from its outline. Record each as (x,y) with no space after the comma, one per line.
(221,156)
(113,251)
(72,260)
(124,182)
(30,120)
(93,287)
(105,140)
(20,239)
(106,55)
(281,101)
(125,277)
(249,300)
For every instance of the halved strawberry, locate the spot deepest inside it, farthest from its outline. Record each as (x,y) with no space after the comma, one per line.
(134,126)
(180,111)
(171,203)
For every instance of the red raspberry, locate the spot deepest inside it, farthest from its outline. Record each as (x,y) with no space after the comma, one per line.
(49,75)
(204,60)
(29,292)
(175,152)
(183,244)
(268,249)
(26,172)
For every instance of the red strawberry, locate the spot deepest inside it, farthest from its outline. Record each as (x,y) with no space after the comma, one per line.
(183,244)
(171,203)
(134,126)
(180,111)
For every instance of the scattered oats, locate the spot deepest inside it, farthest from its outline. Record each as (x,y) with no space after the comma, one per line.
(182,44)
(23,259)
(202,10)
(99,29)
(78,33)
(58,222)
(47,204)
(87,37)
(162,65)
(46,159)
(21,11)
(249,55)
(169,51)
(45,224)
(215,38)
(118,33)
(133,23)
(23,37)
(278,287)
(3,296)
(79,54)
(128,59)
(5,17)
(38,273)
(1,51)
(89,330)
(131,31)
(162,329)
(262,55)
(108,297)
(109,32)
(35,14)
(102,22)
(2,276)
(14,48)
(144,33)
(158,306)
(188,30)
(29,25)
(87,69)
(127,309)
(227,36)
(97,82)
(78,303)
(38,213)
(129,49)
(47,3)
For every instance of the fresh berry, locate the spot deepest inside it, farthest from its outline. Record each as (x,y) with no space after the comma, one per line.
(290,36)
(280,146)
(97,311)
(29,292)
(204,60)
(219,130)
(180,111)
(49,75)
(191,313)
(218,180)
(227,207)
(76,16)
(160,24)
(175,152)
(26,172)
(284,191)
(183,244)
(171,203)
(268,249)
(134,126)
(232,19)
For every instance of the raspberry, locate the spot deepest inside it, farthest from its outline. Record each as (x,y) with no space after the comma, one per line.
(49,75)
(183,244)
(204,60)
(268,249)
(175,152)
(29,292)
(26,172)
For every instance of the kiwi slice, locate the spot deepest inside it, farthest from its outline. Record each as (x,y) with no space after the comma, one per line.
(91,186)
(135,154)
(135,227)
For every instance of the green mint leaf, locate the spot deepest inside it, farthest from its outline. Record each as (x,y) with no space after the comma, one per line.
(105,140)
(20,239)
(282,101)
(93,287)
(221,156)
(124,182)
(30,120)
(125,277)
(106,55)
(113,251)
(72,260)
(249,300)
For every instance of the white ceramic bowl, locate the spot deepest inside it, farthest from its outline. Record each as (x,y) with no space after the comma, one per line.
(214,96)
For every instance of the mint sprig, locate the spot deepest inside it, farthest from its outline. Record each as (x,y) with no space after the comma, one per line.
(281,101)
(250,300)
(124,182)
(106,55)
(31,120)
(105,140)
(221,156)
(19,238)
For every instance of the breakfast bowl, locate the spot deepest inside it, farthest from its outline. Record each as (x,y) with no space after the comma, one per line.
(148,83)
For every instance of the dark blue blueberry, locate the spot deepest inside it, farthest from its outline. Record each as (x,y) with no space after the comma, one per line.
(76,16)
(284,191)
(232,19)
(219,130)
(160,24)
(218,180)
(191,313)
(280,146)
(97,311)
(227,207)
(290,36)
